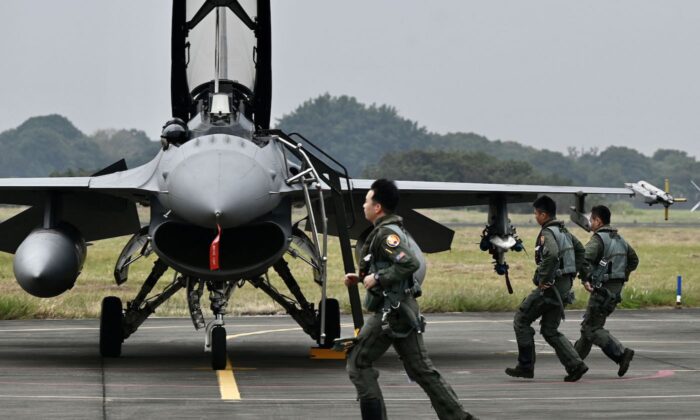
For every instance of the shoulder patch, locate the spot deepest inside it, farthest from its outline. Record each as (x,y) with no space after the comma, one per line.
(393,240)
(541,239)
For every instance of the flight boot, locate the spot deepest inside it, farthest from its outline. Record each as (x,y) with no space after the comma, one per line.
(625,362)
(371,409)
(520,372)
(576,372)
(526,363)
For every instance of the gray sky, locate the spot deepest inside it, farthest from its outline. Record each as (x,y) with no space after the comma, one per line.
(550,74)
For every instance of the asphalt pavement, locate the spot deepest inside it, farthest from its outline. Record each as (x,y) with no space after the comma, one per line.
(52,369)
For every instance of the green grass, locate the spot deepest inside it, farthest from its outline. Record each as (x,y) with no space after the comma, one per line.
(17,307)
(458,280)
(626,214)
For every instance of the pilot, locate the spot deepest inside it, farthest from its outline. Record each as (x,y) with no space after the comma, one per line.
(559,256)
(386,270)
(611,260)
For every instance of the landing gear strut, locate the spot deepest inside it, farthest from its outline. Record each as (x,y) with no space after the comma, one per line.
(116,324)
(215,338)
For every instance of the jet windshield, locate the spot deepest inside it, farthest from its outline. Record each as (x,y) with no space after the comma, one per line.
(235,45)
(221,47)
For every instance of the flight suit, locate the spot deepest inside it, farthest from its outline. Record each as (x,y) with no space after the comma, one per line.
(605,297)
(549,303)
(394,263)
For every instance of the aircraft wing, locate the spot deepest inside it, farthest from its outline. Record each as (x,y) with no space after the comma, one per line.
(435,237)
(423,195)
(101,206)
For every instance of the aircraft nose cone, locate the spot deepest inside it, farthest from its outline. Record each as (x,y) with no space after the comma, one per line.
(227,183)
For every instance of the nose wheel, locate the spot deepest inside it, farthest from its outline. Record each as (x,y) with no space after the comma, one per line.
(218,348)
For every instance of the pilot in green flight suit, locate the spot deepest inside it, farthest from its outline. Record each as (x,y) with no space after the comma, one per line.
(559,256)
(386,270)
(611,260)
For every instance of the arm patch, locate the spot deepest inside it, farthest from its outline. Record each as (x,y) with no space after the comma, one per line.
(393,240)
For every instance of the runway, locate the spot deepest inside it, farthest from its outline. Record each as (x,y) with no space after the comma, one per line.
(52,369)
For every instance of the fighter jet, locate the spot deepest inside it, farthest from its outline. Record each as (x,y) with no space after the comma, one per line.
(221,192)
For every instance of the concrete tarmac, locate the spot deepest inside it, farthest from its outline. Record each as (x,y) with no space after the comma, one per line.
(51,369)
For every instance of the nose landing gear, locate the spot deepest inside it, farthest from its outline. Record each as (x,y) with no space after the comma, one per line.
(215,342)
(215,337)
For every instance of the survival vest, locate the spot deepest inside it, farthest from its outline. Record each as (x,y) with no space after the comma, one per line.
(567,257)
(409,286)
(613,264)
(418,275)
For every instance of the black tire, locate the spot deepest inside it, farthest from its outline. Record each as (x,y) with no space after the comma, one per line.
(218,348)
(332,323)
(111,327)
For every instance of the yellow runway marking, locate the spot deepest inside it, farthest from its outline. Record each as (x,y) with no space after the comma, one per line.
(232,336)
(227,381)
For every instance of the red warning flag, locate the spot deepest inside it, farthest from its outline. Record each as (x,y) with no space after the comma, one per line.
(214,251)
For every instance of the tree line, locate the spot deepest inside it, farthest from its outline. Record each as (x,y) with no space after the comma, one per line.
(371,141)
(51,145)
(374,141)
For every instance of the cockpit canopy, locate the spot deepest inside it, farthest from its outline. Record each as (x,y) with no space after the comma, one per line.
(221,47)
(235,44)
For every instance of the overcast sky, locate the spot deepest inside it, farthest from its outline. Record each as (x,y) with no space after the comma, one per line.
(551,74)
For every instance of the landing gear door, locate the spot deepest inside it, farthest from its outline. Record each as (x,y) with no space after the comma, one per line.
(138,243)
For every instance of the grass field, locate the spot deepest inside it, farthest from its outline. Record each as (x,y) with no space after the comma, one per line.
(458,280)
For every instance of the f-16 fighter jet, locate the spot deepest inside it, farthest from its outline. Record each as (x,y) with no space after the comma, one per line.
(221,192)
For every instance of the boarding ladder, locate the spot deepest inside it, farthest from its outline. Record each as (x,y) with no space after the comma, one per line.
(313,174)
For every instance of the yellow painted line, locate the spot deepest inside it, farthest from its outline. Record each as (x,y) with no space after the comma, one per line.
(227,383)
(232,336)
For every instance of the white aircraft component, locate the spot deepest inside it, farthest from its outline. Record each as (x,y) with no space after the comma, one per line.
(651,194)
(503,242)
(695,207)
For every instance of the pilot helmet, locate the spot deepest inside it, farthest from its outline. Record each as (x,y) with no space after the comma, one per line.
(175,132)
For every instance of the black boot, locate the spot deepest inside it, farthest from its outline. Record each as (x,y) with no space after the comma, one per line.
(520,372)
(371,409)
(576,373)
(625,362)
(526,363)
